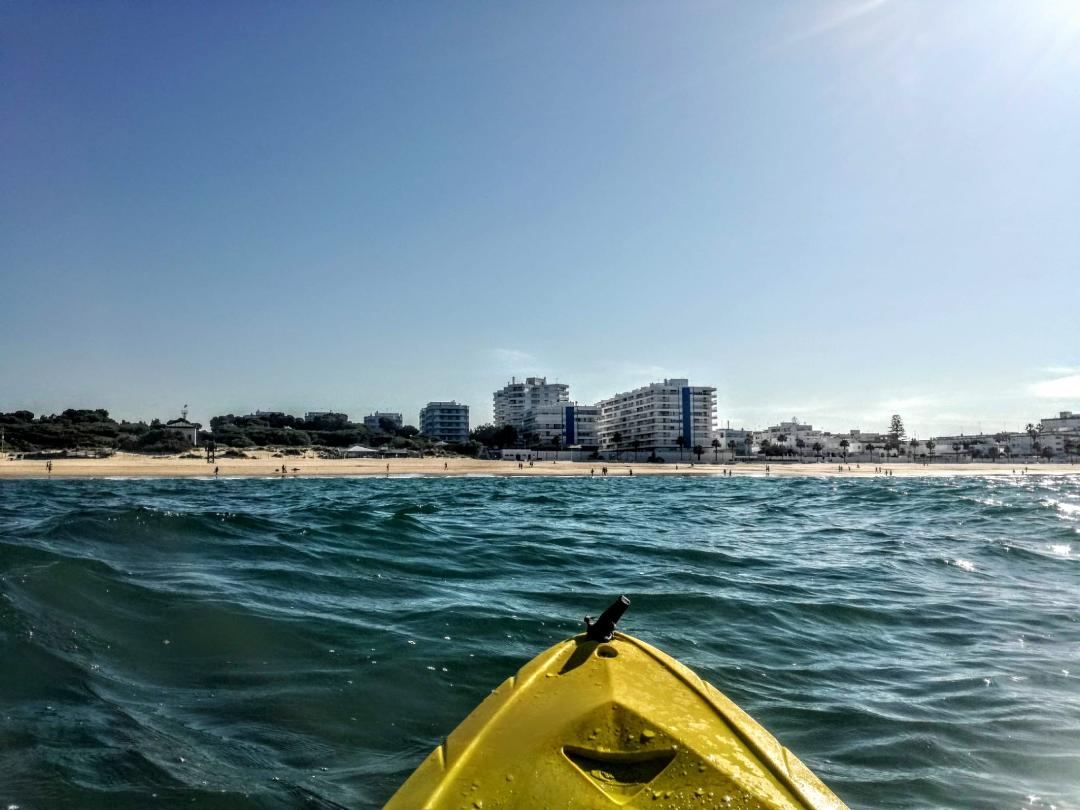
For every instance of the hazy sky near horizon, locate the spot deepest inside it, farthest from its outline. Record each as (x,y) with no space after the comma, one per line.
(834,211)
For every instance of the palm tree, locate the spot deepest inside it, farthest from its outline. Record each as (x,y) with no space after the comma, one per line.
(716,450)
(748,440)
(732,444)
(1033,431)
(1071,448)
(844,445)
(681,443)
(556,442)
(698,450)
(868,448)
(817,448)
(930,445)
(616,439)
(956,446)
(782,441)
(800,444)
(914,446)
(636,444)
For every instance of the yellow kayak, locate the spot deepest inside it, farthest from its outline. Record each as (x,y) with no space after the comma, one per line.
(604,720)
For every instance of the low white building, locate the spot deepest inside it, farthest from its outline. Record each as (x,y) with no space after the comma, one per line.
(733,442)
(358,451)
(188,430)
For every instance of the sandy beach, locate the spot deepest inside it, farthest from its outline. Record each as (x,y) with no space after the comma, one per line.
(264,465)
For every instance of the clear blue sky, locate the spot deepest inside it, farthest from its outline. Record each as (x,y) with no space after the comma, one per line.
(834,211)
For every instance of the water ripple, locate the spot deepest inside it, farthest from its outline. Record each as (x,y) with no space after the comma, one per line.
(272,643)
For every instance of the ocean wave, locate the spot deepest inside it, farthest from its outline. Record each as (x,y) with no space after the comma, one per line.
(268,644)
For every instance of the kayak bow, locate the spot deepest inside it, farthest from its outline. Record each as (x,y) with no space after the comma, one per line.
(604,720)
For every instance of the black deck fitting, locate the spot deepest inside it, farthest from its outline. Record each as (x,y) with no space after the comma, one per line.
(604,628)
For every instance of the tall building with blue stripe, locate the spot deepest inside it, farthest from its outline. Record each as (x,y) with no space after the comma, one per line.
(654,417)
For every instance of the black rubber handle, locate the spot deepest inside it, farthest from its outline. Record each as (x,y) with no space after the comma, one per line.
(604,628)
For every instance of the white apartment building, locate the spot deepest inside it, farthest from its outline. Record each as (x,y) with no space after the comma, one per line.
(513,402)
(1065,421)
(655,416)
(792,433)
(574,425)
(446,421)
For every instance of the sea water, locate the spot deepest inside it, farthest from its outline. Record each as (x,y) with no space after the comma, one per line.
(306,642)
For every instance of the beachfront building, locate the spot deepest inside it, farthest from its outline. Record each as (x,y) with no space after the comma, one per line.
(188,430)
(727,451)
(1061,434)
(653,418)
(792,436)
(1064,422)
(515,400)
(374,421)
(564,424)
(446,421)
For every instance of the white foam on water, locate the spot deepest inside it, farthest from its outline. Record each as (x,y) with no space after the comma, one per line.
(1070,510)
(1061,549)
(967,565)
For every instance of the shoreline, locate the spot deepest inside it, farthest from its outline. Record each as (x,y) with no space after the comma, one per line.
(263,465)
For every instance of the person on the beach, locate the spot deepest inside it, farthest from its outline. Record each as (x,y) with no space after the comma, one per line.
(446,465)
(603,471)
(216,470)
(631,470)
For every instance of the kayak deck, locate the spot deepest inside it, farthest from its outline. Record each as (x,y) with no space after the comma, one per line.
(590,724)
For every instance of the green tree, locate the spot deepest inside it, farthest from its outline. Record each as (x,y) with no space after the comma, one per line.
(716,450)
(868,448)
(616,439)
(914,444)
(1048,453)
(930,445)
(636,445)
(844,445)
(732,444)
(801,445)
(698,450)
(817,447)
(896,432)
(681,443)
